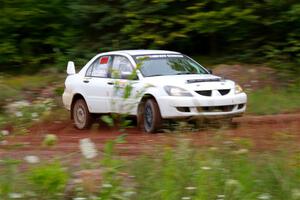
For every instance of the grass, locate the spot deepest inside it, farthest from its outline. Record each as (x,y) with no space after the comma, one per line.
(219,172)
(268,101)
(27,82)
(181,172)
(14,87)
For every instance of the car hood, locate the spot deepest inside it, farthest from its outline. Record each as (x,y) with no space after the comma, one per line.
(191,82)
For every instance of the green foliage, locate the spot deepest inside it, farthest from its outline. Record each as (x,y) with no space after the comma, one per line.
(50,140)
(112,167)
(27,82)
(8,176)
(222,171)
(6,94)
(37,34)
(48,180)
(268,101)
(219,173)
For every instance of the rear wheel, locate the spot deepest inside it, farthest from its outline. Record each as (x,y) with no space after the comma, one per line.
(152,118)
(82,117)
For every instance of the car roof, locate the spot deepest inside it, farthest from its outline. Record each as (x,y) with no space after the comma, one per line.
(144,52)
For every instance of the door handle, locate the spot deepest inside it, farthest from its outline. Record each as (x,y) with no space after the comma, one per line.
(86,81)
(110,83)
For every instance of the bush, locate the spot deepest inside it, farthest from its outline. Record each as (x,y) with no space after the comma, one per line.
(49,180)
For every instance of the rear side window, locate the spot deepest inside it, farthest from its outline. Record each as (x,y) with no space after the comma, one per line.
(100,67)
(121,66)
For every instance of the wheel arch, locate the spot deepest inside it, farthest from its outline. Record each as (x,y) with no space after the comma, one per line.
(145,98)
(74,99)
(140,107)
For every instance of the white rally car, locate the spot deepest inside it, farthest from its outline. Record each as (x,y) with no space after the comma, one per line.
(150,84)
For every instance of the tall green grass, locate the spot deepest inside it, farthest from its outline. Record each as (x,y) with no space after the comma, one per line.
(219,173)
(270,101)
(225,171)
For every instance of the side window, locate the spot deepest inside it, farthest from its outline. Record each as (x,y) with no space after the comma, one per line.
(100,67)
(89,70)
(121,67)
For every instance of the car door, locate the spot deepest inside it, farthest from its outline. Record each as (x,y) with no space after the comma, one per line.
(97,85)
(121,74)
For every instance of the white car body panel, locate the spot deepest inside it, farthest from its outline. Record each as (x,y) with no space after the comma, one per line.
(102,97)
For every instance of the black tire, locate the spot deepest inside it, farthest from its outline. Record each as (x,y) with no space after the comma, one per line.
(152,118)
(81,115)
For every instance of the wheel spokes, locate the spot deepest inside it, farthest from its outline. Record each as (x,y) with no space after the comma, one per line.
(148,116)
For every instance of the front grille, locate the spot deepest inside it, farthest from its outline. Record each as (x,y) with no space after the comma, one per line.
(215,108)
(204,92)
(224,92)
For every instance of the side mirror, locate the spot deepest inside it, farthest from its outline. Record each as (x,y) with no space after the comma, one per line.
(210,71)
(128,75)
(71,68)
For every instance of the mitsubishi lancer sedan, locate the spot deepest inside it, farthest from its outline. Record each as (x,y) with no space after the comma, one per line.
(152,85)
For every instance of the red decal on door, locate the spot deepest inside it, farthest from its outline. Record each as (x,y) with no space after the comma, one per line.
(104,60)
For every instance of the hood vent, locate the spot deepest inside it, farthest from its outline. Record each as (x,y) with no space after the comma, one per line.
(204,80)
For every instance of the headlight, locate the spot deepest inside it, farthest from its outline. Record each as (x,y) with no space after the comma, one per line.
(176,91)
(238,89)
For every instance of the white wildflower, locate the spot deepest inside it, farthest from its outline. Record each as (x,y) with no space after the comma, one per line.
(206,168)
(186,198)
(232,183)
(190,188)
(241,151)
(32,159)
(4,132)
(19,114)
(15,195)
(221,196)
(79,198)
(227,142)
(34,115)
(13,107)
(88,148)
(296,194)
(264,196)
(128,193)
(213,148)
(106,185)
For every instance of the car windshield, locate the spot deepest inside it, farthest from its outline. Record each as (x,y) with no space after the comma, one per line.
(169,64)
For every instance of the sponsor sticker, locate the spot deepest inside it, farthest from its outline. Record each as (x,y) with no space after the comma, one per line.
(104,60)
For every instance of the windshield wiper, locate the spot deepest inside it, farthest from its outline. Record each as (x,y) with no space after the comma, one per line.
(180,73)
(155,75)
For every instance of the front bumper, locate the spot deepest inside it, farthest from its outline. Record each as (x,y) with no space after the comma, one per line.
(208,107)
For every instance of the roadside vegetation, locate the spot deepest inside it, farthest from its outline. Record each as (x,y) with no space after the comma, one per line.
(229,169)
(272,101)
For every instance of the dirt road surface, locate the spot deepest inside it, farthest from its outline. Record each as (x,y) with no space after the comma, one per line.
(265,133)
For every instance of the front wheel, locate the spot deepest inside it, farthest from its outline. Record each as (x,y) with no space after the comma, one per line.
(81,115)
(152,117)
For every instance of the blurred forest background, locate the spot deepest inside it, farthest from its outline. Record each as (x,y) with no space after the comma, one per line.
(38,34)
